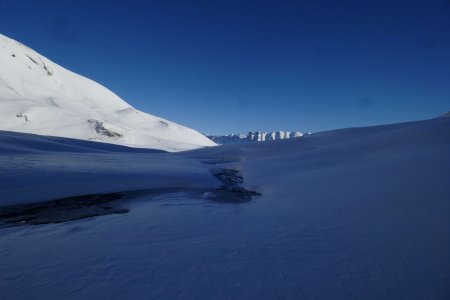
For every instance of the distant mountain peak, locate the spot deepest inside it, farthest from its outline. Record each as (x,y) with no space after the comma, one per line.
(254,136)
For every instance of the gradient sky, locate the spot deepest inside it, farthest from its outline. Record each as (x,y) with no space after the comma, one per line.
(235,66)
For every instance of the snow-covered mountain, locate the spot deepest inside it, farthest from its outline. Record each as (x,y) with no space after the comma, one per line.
(254,136)
(41,97)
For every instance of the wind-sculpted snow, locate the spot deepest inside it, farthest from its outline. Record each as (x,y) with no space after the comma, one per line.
(59,168)
(54,168)
(359,213)
(39,96)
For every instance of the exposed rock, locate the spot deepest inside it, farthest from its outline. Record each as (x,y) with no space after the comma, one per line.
(21,115)
(100,129)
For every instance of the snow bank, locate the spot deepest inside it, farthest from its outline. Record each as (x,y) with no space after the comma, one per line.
(37,168)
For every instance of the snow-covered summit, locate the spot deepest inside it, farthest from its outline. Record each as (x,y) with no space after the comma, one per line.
(254,136)
(41,97)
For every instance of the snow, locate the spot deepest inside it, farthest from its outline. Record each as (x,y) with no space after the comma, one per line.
(254,136)
(41,97)
(57,167)
(359,213)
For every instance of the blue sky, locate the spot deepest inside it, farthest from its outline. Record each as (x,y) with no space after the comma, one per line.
(235,66)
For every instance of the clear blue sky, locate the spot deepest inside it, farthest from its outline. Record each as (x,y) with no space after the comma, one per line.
(235,66)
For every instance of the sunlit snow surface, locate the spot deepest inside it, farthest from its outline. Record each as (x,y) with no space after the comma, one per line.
(38,96)
(349,214)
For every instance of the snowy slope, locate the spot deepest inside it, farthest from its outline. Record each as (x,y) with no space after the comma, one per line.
(36,168)
(359,213)
(39,96)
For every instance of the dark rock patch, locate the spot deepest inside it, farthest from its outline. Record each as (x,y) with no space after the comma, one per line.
(101,130)
(62,210)
(231,191)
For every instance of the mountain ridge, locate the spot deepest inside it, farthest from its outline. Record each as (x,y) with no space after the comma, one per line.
(39,96)
(254,136)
